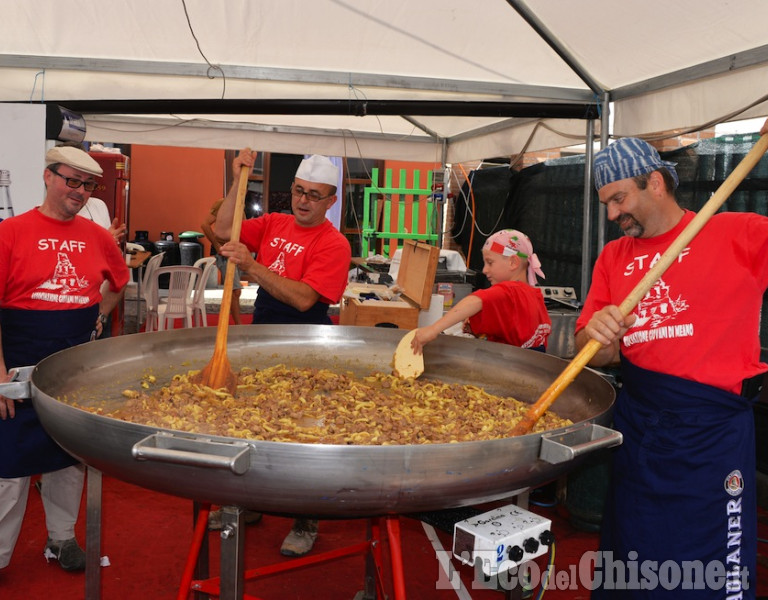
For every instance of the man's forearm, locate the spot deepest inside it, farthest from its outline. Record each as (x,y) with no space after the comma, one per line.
(109,299)
(211,235)
(226,214)
(297,294)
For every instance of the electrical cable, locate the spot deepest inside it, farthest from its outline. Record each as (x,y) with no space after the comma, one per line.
(464,197)
(205,58)
(42,86)
(472,212)
(550,568)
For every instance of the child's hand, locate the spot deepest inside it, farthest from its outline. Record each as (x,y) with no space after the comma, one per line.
(423,336)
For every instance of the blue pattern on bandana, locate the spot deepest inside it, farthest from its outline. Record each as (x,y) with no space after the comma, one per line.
(628,157)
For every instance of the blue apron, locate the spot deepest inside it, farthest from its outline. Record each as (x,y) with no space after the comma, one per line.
(683,489)
(29,336)
(270,311)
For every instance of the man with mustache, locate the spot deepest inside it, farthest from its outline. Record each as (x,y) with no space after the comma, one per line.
(683,483)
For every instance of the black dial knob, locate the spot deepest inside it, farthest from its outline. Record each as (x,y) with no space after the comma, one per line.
(515,553)
(530,545)
(546,537)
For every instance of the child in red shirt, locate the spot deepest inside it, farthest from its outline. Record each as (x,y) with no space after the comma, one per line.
(512,310)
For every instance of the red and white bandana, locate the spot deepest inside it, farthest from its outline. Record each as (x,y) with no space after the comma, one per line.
(510,242)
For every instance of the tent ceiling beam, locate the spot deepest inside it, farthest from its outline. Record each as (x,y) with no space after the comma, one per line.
(422,127)
(553,42)
(352,107)
(726,64)
(312,76)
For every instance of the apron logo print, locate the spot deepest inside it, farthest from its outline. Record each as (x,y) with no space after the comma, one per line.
(734,483)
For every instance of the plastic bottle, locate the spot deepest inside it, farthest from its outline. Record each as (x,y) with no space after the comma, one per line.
(6,206)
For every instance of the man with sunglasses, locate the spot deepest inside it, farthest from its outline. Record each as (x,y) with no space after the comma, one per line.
(52,265)
(301,266)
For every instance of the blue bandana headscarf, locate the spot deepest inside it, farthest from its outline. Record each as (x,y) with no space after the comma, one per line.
(628,157)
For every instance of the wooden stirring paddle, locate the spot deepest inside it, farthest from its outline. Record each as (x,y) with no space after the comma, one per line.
(406,362)
(218,372)
(641,289)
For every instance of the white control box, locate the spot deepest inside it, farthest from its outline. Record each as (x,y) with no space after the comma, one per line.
(501,539)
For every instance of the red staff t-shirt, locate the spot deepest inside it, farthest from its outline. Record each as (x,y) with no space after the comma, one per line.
(47,264)
(319,256)
(701,320)
(513,313)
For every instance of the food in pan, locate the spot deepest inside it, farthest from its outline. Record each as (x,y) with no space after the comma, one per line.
(309,405)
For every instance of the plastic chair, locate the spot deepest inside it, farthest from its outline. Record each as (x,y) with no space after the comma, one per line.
(177,305)
(199,315)
(147,293)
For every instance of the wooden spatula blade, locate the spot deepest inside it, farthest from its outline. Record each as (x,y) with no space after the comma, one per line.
(406,363)
(217,374)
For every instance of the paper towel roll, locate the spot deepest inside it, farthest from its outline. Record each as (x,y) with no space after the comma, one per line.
(433,313)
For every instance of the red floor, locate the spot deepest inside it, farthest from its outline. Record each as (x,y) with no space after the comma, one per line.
(146,536)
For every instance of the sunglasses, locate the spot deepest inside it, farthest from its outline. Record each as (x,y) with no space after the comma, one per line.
(73,183)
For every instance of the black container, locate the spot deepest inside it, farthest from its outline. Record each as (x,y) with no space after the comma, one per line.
(171,257)
(191,251)
(190,247)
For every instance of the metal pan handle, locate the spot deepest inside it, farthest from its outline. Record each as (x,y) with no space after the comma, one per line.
(558,448)
(194,451)
(18,387)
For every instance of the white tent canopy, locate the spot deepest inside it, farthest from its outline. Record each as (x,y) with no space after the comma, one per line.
(481,79)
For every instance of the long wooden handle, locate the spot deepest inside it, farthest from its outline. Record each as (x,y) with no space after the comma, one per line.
(229,276)
(641,289)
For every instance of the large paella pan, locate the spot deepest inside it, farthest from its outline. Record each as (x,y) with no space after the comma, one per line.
(329,481)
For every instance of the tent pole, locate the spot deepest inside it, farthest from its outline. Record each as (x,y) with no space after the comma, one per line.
(586,235)
(586,257)
(442,205)
(605,114)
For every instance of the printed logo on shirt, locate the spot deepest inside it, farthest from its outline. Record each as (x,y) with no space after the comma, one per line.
(279,265)
(734,483)
(656,308)
(539,337)
(63,285)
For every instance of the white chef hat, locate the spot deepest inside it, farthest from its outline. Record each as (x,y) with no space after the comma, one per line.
(318,169)
(73,157)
